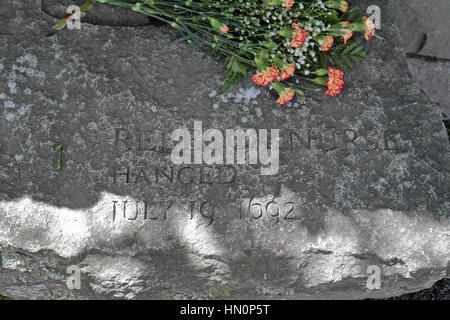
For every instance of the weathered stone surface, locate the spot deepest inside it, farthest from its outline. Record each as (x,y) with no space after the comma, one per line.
(424,31)
(381,200)
(113,16)
(433,77)
(423,26)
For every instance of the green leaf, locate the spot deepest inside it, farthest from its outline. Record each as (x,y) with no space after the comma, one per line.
(357,58)
(83,8)
(332,18)
(350,47)
(323,61)
(235,66)
(181,39)
(232,79)
(60,25)
(237,71)
(343,55)
(87,5)
(346,60)
(352,15)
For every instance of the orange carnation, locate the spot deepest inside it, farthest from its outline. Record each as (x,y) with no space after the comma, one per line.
(369,28)
(335,82)
(299,37)
(286,96)
(338,4)
(287,71)
(327,43)
(288,4)
(224,28)
(343,6)
(346,32)
(263,78)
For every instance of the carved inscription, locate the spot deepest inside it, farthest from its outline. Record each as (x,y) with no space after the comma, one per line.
(275,210)
(171,174)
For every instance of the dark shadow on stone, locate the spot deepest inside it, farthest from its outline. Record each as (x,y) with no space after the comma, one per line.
(447,126)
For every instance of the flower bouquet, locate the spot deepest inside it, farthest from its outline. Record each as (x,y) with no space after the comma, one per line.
(288,45)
